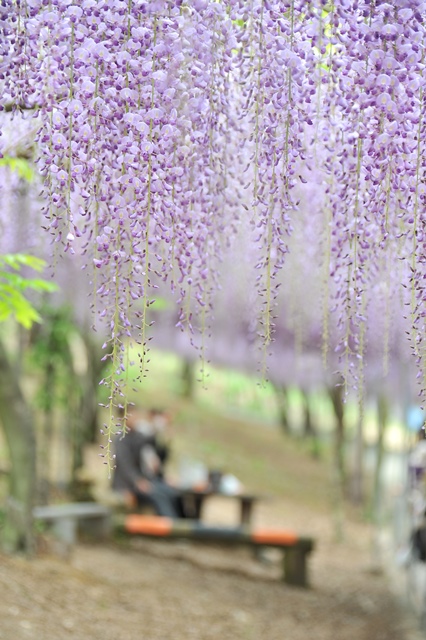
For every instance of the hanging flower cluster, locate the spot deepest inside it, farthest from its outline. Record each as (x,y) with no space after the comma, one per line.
(164,125)
(132,98)
(373,135)
(273,62)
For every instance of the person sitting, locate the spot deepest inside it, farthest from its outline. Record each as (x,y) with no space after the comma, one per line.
(132,478)
(157,451)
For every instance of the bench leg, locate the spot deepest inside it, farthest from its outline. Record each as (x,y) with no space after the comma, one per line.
(193,506)
(246,511)
(295,571)
(65,529)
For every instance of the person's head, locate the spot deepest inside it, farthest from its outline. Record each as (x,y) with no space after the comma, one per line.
(159,419)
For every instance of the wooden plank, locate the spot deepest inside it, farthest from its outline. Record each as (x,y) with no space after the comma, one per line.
(271,537)
(156,526)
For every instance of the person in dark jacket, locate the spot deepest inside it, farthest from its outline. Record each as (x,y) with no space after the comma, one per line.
(157,451)
(130,477)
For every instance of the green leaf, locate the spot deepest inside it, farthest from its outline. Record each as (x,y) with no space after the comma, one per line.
(18,260)
(21,166)
(13,285)
(13,303)
(41,285)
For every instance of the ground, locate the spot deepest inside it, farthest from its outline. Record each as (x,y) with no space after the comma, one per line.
(147,590)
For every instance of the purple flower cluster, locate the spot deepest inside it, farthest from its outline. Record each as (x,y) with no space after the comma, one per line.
(132,98)
(372,135)
(166,124)
(273,64)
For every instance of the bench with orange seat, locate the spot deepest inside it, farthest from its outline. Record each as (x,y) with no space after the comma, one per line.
(296,549)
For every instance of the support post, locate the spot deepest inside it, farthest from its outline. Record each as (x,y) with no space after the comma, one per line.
(295,570)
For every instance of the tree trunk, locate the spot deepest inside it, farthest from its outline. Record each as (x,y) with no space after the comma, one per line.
(382,421)
(83,426)
(22,338)
(376,507)
(281,394)
(356,490)
(18,426)
(89,400)
(78,428)
(188,379)
(45,437)
(336,395)
(339,476)
(308,429)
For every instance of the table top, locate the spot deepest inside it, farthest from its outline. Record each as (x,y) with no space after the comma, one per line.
(207,492)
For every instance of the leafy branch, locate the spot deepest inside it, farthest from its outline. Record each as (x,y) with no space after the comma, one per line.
(14,287)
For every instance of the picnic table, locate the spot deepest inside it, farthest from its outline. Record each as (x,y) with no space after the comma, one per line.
(194,500)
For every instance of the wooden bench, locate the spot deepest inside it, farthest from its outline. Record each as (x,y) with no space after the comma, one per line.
(296,549)
(65,520)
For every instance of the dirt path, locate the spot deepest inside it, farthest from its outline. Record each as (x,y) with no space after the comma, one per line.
(160,591)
